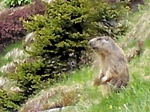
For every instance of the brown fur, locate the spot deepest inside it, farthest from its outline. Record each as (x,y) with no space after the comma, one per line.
(114,70)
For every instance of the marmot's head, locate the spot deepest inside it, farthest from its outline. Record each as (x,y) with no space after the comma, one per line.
(103,44)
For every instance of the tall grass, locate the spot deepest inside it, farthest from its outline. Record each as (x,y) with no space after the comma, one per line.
(134,98)
(3,60)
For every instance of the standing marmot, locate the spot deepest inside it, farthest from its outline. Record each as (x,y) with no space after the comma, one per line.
(114,71)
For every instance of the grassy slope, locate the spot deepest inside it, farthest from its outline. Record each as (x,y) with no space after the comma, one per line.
(135,98)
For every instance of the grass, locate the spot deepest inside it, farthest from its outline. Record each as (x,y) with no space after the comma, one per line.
(2,5)
(3,60)
(134,98)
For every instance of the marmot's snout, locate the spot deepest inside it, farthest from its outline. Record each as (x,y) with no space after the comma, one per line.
(92,43)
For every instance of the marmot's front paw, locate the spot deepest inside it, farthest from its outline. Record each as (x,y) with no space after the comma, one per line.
(104,79)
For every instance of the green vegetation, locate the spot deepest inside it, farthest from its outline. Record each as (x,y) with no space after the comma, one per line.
(3,60)
(60,41)
(107,19)
(2,5)
(10,102)
(59,38)
(15,3)
(134,98)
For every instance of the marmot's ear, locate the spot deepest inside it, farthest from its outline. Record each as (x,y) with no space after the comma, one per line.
(105,41)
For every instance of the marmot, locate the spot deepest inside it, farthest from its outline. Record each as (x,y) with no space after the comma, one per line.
(114,72)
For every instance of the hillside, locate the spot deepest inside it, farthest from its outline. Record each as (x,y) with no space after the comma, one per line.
(74,92)
(135,98)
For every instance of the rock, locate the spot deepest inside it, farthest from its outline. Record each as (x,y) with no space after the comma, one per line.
(63,109)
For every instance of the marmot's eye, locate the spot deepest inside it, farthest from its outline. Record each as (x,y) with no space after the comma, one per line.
(99,39)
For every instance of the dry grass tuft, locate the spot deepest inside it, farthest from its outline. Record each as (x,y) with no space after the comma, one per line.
(18,56)
(138,34)
(56,97)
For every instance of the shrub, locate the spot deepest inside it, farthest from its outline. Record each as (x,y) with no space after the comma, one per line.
(108,19)
(10,101)
(66,35)
(60,36)
(10,24)
(15,3)
(60,39)
(5,13)
(31,77)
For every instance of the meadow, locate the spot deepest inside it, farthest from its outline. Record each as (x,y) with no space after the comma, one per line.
(75,89)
